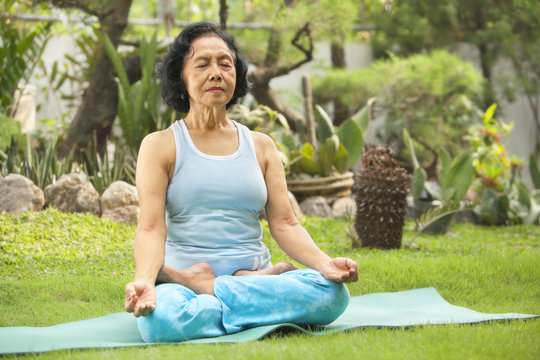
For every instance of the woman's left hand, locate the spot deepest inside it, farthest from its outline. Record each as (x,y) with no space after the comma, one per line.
(340,270)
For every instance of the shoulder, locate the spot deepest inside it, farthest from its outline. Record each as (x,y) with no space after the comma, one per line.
(158,138)
(263,141)
(158,146)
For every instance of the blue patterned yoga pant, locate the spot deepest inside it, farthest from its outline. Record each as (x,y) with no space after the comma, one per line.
(302,297)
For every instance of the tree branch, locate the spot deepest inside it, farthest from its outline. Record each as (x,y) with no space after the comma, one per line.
(81,5)
(264,74)
(261,76)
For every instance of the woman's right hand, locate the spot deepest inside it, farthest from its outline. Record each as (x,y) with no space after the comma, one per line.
(140,298)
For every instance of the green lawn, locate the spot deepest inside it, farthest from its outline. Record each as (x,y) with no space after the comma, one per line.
(58,267)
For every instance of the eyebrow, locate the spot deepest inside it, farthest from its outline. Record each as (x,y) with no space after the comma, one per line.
(207,58)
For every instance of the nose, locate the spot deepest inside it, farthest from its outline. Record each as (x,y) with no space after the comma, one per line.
(215,74)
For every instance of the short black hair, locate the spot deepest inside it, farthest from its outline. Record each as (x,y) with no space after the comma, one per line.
(173,89)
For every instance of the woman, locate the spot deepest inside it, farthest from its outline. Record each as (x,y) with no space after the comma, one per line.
(201,184)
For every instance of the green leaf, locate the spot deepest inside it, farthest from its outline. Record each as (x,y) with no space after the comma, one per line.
(418,181)
(351,137)
(327,154)
(341,162)
(408,141)
(434,214)
(54,71)
(289,142)
(117,63)
(458,177)
(308,150)
(282,120)
(434,190)
(325,127)
(362,116)
(488,115)
(489,208)
(534,210)
(533,170)
(307,164)
(444,157)
(524,195)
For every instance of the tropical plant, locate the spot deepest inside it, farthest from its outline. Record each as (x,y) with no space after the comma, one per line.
(139,104)
(9,129)
(333,151)
(429,94)
(40,164)
(261,118)
(380,190)
(102,171)
(505,199)
(492,164)
(20,52)
(454,178)
(453,181)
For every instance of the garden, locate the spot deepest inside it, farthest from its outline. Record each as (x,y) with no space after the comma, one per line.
(419,144)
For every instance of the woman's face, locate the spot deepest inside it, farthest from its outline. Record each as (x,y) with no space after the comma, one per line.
(209,72)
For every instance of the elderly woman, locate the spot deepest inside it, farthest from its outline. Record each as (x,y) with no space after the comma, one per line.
(201,185)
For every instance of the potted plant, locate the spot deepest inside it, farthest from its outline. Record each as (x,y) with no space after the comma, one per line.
(381,199)
(320,166)
(453,181)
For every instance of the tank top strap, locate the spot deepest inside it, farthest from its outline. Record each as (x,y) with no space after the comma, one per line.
(244,132)
(180,142)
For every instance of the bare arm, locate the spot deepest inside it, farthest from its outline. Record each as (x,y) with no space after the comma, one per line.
(154,163)
(290,235)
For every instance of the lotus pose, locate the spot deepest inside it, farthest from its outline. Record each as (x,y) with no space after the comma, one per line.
(201,268)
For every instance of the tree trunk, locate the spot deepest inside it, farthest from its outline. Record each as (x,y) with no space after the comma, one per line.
(223,14)
(485,64)
(98,109)
(341,111)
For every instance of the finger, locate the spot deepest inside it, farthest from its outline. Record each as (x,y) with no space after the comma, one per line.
(144,310)
(351,264)
(353,277)
(130,303)
(137,311)
(130,292)
(337,276)
(148,309)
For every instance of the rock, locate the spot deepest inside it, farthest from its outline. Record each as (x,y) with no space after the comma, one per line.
(128,214)
(119,202)
(119,194)
(344,207)
(73,193)
(296,208)
(316,206)
(18,194)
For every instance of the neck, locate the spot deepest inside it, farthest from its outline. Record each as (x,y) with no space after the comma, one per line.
(206,118)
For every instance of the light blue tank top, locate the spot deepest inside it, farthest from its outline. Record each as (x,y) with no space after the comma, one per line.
(212,207)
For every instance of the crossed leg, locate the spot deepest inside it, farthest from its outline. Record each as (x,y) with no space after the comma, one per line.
(200,277)
(302,297)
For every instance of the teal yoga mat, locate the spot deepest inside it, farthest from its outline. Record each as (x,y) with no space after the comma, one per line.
(398,309)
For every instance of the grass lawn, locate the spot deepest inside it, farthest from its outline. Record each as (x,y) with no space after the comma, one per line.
(58,267)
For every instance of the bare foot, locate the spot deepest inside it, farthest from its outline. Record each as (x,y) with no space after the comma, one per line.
(199,277)
(279,268)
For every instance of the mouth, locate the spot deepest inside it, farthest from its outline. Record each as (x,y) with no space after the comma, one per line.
(215,89)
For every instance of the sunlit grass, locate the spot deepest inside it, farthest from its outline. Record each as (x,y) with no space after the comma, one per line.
(64,267)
